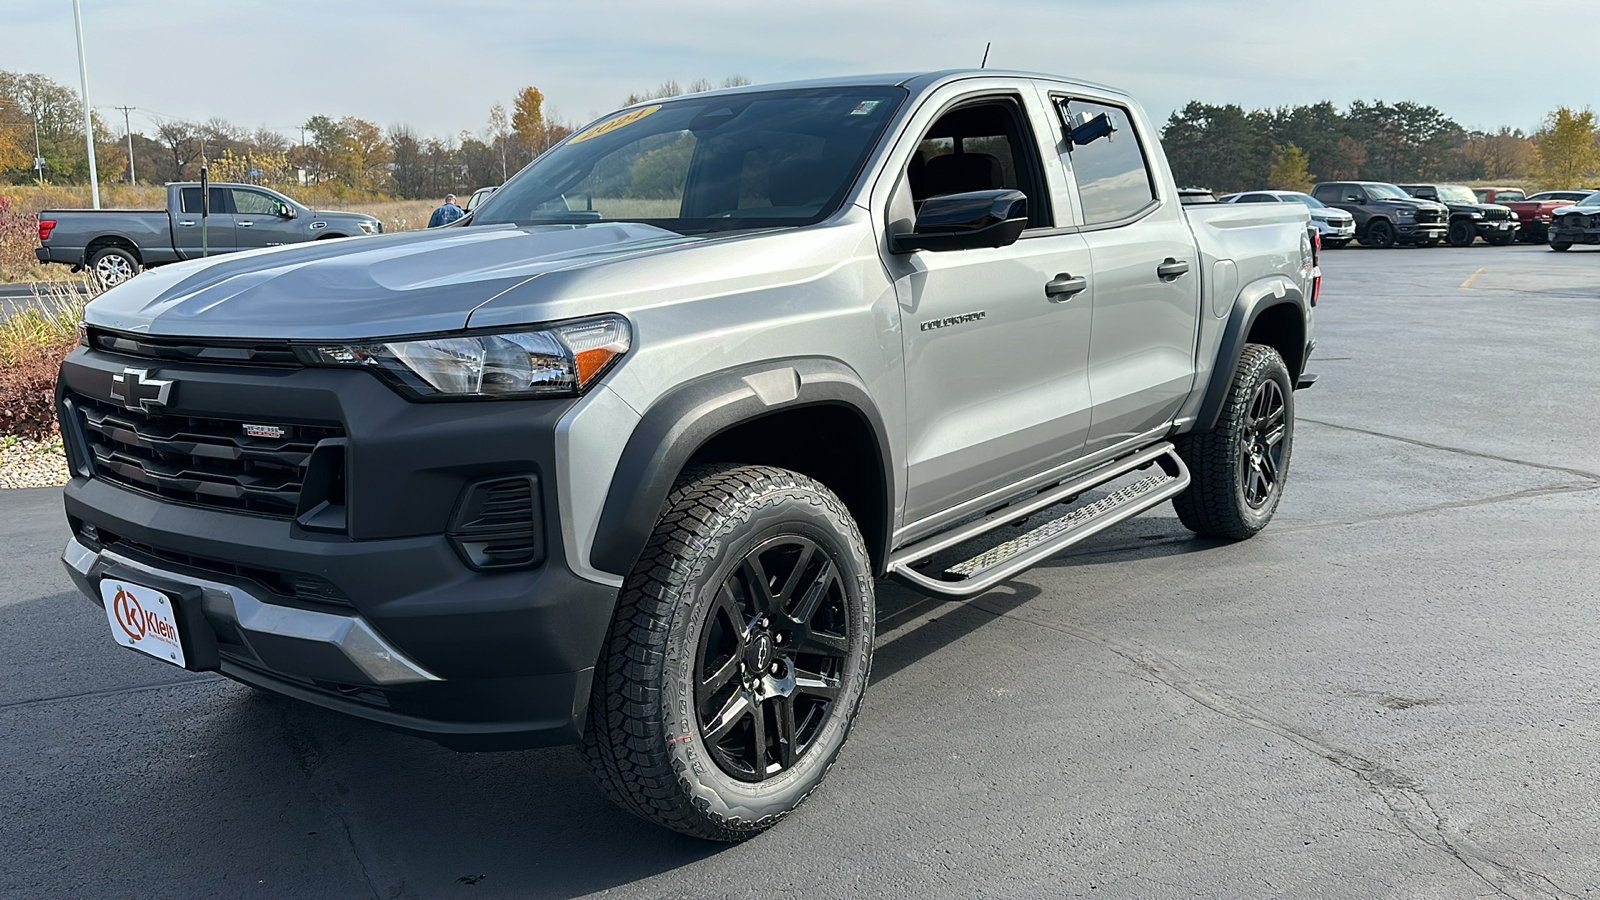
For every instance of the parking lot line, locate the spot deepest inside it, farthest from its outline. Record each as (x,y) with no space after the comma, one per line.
(1466,285)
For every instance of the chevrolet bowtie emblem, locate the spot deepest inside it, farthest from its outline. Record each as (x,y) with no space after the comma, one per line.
(137,390)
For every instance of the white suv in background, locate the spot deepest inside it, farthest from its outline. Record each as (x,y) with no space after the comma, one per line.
(1336,226)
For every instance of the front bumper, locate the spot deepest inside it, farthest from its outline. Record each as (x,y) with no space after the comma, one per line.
(408,634)
(1497,228)
(1575,235)
(1426,231)
(1330,231)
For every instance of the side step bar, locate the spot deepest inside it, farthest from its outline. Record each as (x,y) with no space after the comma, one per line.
(987,569)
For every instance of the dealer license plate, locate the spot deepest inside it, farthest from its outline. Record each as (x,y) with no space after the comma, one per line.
(143,619)
(1505,226)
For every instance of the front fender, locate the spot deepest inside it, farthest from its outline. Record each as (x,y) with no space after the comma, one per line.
(686,418)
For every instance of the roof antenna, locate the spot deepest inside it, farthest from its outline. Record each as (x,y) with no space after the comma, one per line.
(985,63)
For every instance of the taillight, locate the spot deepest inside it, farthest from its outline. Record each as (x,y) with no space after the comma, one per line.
(1316,267)
(45,227)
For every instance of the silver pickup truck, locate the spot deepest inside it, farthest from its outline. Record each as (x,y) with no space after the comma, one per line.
(115,244)
(619,459)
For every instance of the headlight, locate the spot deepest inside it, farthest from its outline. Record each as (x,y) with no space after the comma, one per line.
(1475,215)
(557,361)
(372,227)
(1405,214)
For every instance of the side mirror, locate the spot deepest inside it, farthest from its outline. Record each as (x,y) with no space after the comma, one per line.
(966,222)
(1092,130)
(286,211)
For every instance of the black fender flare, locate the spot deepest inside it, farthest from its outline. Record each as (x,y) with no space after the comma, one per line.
(685,418)
(1254,299)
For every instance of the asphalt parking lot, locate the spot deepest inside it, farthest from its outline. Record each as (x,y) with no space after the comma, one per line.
(1392,692)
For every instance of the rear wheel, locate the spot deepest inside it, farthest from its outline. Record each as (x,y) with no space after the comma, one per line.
(1462,233)
(1237,469)
(737,656)
(113,265)
(1560,245)
(1380,234)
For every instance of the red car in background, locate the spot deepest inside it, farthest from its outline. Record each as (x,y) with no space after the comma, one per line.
(1534,211)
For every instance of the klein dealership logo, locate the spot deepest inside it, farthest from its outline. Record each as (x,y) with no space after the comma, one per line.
(138,390)
(137,622)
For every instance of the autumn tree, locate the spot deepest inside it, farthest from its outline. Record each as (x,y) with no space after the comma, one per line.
(1569,149)
(1290,171)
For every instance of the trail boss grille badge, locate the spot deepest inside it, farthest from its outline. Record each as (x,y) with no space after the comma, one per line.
(270,432)
(135,389)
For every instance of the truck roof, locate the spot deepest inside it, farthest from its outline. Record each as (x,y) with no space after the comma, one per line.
(914,81)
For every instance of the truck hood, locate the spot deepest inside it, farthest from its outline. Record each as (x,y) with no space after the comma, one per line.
(1413,204)
(407,283)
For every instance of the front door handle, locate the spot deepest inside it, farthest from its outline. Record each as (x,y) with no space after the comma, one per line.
(187,223)
(242,222)
(1064,286)
(1171,268)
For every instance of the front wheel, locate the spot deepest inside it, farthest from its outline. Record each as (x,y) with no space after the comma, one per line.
(1560,245)
(1380,234)
(1237,469)
(1335,244)
(1503,239)
(1462,233)
(113,265)
(737,657)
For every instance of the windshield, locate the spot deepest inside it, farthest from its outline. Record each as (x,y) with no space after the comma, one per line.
(705,164)
(1380,191)
(1455,193)
(1591,200)
(1307,199)
(1507,196)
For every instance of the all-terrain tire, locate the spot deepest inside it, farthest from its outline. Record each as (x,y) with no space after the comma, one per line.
(1503,239)
(646,741)
(1462,233)
(1221,500)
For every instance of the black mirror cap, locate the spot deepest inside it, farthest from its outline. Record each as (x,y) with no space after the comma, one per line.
(967,221)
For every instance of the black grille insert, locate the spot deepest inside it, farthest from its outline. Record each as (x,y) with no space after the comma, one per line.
(235,352)
(204,461)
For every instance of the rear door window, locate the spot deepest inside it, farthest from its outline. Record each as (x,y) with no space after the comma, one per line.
(190,200)
(1113,172)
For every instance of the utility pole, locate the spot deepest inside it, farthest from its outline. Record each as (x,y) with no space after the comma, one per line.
(132,178)
(38,157)
(88,121)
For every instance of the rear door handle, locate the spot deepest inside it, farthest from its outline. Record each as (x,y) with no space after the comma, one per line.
(1064,286)
(1171,268)
(187,223)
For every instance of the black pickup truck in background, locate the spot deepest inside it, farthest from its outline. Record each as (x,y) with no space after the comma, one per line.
(1469,218)
(116,243)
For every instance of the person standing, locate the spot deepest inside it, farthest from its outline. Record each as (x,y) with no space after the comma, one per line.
(445,214)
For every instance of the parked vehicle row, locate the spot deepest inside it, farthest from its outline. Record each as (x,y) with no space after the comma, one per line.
(1335,226)
(1534,211)
(1385,215)
(1469,219)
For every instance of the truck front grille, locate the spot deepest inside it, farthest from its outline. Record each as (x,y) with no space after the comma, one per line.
(203,461)
(1429,217)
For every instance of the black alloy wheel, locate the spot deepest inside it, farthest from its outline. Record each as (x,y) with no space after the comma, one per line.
(1261,433)
(1380,234)
(737,655)
(767,672)
(1462,233)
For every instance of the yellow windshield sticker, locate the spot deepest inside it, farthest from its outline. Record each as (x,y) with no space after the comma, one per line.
(610,125)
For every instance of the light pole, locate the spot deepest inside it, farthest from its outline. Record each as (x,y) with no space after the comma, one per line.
(38,157)
(88,121)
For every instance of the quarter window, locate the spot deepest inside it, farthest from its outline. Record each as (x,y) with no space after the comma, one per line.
(1113,175)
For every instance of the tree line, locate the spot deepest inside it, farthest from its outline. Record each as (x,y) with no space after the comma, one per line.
(343,157)
(1226,148)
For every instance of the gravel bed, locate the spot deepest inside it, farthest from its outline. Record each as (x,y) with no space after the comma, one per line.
(27,463)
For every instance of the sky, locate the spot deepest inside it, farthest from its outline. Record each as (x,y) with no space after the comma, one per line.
(440,66)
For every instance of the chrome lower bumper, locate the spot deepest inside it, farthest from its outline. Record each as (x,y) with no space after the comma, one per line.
(283,639)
